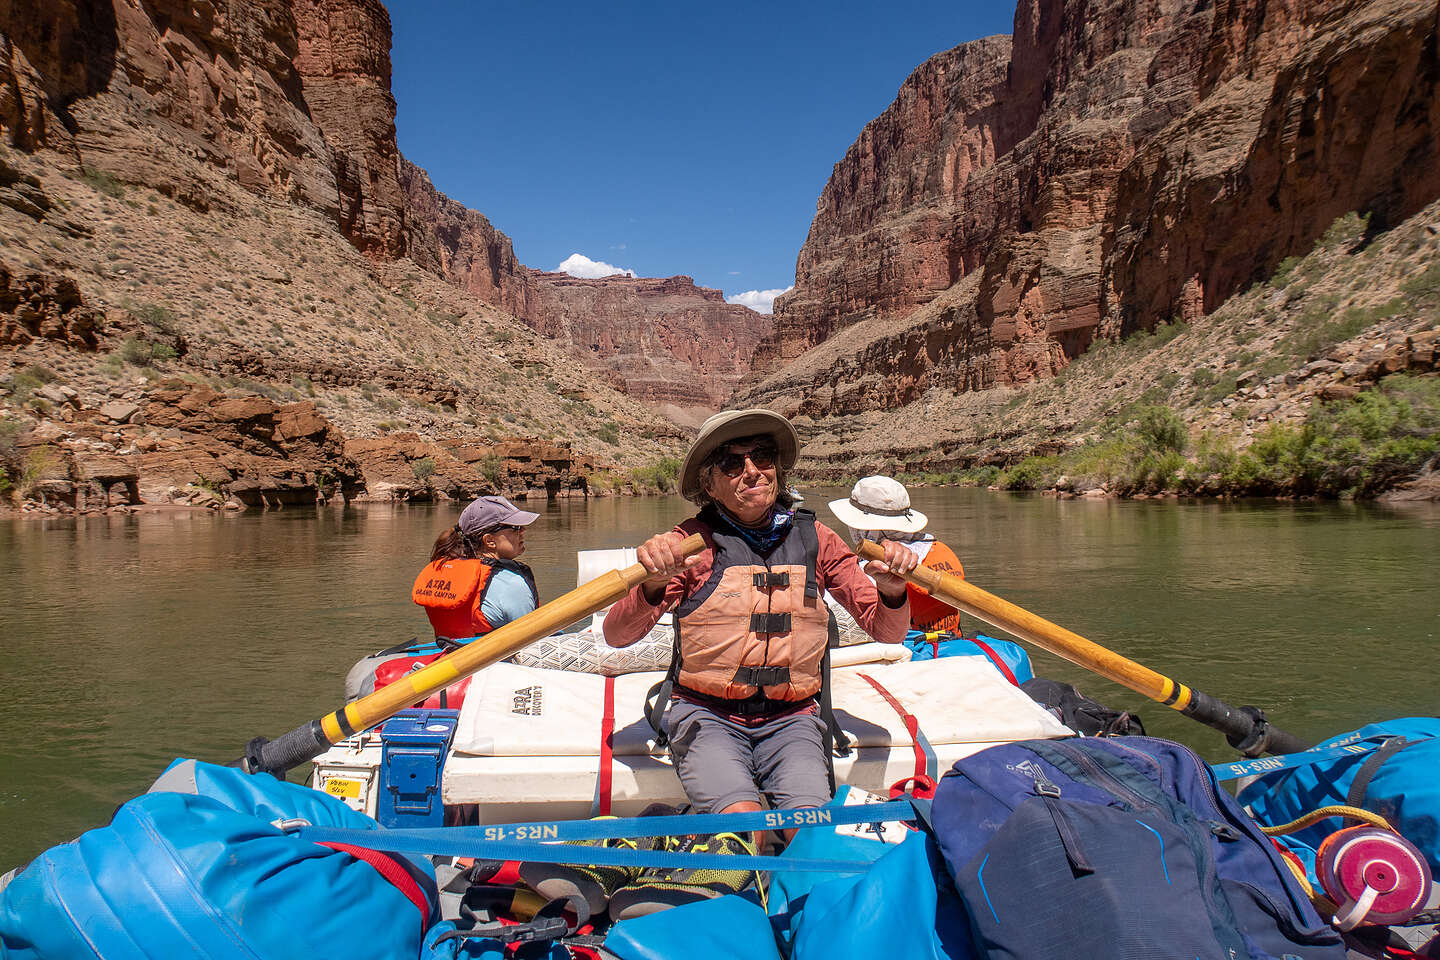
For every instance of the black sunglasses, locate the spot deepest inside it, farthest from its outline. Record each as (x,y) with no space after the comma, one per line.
(503,527)
(733,464)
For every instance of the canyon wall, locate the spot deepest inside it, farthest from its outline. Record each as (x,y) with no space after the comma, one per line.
(664,341)
(1113,165)
(291,100)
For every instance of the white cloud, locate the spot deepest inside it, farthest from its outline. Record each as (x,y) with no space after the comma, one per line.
(761,301)
(579,265)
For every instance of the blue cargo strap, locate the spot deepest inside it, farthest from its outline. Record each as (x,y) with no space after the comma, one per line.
(542,841)
(1259,765)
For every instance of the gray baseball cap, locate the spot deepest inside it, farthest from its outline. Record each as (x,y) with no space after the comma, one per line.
(487,513)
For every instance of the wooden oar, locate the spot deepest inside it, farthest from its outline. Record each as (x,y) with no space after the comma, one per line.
(1245,728)
(314,738)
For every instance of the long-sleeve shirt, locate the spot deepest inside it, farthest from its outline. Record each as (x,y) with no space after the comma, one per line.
(837,569)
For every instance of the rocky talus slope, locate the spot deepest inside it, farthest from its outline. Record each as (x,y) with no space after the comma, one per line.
(1111,167)
(214,192)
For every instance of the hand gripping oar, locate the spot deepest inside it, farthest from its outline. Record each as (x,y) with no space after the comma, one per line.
(1245,728)
(314,738)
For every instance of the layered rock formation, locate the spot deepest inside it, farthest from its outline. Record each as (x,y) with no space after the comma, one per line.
(461,246)
(186,443)
(664,341)
(343,59)
(44,306)
(290,99)
(1110,167)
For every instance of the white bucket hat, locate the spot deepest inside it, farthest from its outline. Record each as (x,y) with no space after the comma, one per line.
(879,503)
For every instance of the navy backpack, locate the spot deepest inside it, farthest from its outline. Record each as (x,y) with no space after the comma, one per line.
(1119,847)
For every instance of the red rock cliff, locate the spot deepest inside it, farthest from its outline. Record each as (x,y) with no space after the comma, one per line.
(459,245)
(291,99)
(1115,164)
(344,62)
(666,341)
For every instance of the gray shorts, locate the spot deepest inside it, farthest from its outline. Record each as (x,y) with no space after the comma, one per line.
(721,762)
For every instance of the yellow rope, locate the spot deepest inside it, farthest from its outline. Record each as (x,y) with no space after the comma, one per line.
(1339,810)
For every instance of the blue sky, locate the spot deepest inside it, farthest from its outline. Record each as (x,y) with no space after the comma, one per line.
(662,138)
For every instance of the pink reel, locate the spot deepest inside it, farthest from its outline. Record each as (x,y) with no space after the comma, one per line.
(1373,875)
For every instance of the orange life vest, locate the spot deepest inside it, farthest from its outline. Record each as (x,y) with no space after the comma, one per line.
(451,591)
(927,613)
(758,624)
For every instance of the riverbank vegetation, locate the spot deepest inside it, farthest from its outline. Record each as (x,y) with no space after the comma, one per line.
(1344,448)
(657,477)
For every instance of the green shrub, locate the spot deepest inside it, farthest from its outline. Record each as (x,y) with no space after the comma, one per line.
(1362,446)
(608,432)
(1224,385)
(1423,289)
(141,352)
(1161,430)
(982,476)
(1283,270)
(1346,228)
(1032,473)
(102,182)
(156,316)
(661,474)
(5,484)
(1155,471)
(1163,333)
(37,462)
(1318,329)
(10,430)
(424,468)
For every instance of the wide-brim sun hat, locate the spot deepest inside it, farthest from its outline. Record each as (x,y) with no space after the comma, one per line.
(879,503)
(731,425)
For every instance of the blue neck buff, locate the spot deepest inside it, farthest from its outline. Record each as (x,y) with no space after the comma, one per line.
(764,537)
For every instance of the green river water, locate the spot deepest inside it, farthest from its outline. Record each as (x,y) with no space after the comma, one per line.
(132,640)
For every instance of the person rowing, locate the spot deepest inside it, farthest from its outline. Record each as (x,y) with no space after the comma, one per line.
(751,626)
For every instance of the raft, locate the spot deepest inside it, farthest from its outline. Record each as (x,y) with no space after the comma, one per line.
(531,743)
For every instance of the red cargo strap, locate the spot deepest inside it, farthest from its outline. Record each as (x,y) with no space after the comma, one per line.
(1000,665)
(389,868)
(601,807)
(924,755)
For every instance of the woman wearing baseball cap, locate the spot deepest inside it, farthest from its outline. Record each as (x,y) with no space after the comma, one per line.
(474,583)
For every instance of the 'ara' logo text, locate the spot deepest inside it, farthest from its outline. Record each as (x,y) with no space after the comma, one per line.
(528,701)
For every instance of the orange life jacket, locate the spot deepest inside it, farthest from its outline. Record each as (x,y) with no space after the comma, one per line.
(927,613)
(451,591)
(758,624)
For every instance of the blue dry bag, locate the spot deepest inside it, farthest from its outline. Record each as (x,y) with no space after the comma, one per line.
(203,872)
(1119,848)
(1398,778)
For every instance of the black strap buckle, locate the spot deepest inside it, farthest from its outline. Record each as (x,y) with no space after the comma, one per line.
(769,579)
(769,623)
(762,676)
